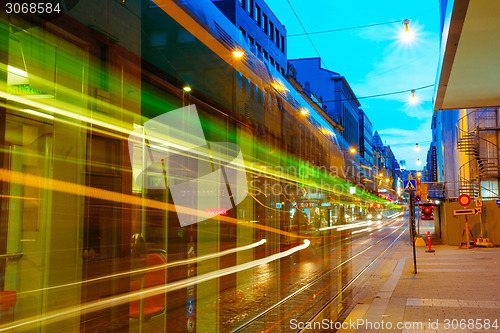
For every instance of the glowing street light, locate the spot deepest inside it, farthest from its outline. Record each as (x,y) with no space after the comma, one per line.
(187,88)
(406,22)
(407,34)
(387,180)
(416,147)
(238,54)
(304,112)
(418,162)
(380,174)
(352,150)
(413,98)
(419,174)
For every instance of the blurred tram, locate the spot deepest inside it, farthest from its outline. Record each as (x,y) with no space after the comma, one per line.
(89,214)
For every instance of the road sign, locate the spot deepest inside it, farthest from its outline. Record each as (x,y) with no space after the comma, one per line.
(190,324)
(417,198)
(190,307)
(472,211)
(464,200)
(410,185)
(479,202)
(498,202)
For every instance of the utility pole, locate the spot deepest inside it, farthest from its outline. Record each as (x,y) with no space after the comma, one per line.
(411,204)
(410,186)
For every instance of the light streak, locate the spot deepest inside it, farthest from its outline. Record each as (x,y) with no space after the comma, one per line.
(16,71)
(36,113)
(104,303)
(395,215)
(153,268)
(30,180)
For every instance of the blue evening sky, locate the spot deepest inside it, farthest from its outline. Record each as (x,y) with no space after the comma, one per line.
(374,60)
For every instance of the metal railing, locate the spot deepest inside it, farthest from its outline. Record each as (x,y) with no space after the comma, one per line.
(452,190)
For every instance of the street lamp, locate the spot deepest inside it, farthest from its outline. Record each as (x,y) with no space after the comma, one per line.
(413,99)
(304,112)
(352,150)
(418,162)
(387,180)
(416,147)
(187,88)
(238,54)
(406,22)
(407,34)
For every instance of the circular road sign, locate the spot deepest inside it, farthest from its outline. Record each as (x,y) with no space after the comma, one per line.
(464,200)
(417,198)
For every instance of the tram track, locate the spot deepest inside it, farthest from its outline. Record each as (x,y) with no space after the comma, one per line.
(263,313)
(354,279)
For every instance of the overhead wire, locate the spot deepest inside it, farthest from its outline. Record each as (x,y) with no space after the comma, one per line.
(380,95)
(360,26)
(308,37)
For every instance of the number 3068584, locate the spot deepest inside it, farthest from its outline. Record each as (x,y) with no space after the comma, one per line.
(32,8)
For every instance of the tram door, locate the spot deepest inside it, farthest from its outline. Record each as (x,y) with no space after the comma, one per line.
(26,210)
(106,237)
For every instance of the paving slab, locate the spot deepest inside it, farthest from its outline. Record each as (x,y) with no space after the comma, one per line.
(454,290)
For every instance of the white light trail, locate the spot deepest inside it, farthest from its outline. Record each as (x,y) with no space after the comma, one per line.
(36,113)
(104,303)
(17,71)
(152,268)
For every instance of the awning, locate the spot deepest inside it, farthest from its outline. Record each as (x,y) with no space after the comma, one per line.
(469,72)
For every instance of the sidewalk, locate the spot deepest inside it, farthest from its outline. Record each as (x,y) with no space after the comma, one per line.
(455,290)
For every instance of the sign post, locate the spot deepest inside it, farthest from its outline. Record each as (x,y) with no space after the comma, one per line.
(410,186)
(464,200)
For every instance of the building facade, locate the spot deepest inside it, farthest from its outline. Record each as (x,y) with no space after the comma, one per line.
(263,31)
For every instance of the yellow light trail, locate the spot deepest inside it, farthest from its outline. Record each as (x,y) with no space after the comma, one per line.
(87,191)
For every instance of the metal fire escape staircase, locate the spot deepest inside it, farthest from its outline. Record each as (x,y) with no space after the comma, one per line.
(481,165)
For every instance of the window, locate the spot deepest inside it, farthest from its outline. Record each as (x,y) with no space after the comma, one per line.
(250,40)
(282,44)
(278,67)
(277,33)
(282,71)
(258,16)
(250,9)
(158,38)
(271,30)
(266,28)
(102,58)
(243,32)
(265,54)
(184,36)
(271,60)
(259,49)
(152,4)
(242,3)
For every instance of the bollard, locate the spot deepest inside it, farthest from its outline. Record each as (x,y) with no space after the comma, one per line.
(429,242)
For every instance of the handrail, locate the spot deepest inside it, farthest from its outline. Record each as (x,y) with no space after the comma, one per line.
(14,256)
